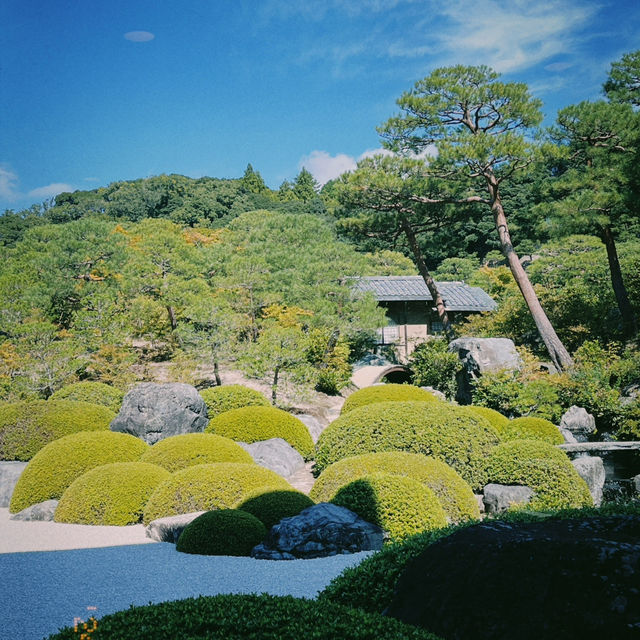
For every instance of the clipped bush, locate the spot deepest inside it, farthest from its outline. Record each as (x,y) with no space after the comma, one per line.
(447,432)
(93,392)
(222,485)
(386,393)
(433,365)
(400,505)
(272,506)
(252,424)
(59,463)
(189,449)
(498,421)
(26,427)
(532,428)
(225,532)
(231,396)
(113,494)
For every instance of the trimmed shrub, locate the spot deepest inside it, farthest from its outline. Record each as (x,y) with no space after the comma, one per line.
(498,421)
(532,428)
(453,493)
(253,424)
(225,532)
(231,396)
(449,433)
(272,506)
(114,494)
(26,427)
(433,365)
(222,485)
(238,617)
(386,393)
(189,449)
(400,505)
(93,392)
(57,465)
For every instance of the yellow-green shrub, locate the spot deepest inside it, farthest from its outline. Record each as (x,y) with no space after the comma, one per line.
(231,396)
(386,393)
(114,494)
(532,428)
(271,506)
(93,392)
(495,418)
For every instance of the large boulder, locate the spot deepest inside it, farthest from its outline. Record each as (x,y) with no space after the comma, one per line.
(42,511)
(591,470)
(551,579)
(275,454)
(578,422)
(319,531)
(500,497)
(9,474)
(169,529)
(153,411)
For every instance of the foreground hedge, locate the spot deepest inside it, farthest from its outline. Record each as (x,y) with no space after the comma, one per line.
(272,506)
(231,396)
(493,417)
(386,393)
(93,392)
(245,617)
(532,428)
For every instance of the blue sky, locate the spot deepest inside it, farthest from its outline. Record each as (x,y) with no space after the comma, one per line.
(95,91)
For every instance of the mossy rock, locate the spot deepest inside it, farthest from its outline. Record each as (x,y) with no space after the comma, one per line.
(398,504)
(189,449)
(231,396)
(495,418)
(532,428)
(53,469)
(445,431)
(114,494)
(386,393)
(225,532)
(26,427)
(93,392)
(253,424)
(272,506)
(453,493)
(221,485)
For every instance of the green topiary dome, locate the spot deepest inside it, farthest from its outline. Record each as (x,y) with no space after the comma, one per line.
(453,493)
(189,449)
(231,396)
(222,485)
(225,532)
(445,431)
(114,494)
(532,428)
(495,418)
(93,392)
(271,506)
(386,393)
(57,465)
(26,427)
(252,424)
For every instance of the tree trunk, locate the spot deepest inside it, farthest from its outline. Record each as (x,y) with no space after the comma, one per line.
(172,317)
(629,320)
(216,373)
(274,385)
(428,279)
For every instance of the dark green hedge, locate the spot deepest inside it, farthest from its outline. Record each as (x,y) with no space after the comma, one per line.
(272,506)
(231,396)
(532,428)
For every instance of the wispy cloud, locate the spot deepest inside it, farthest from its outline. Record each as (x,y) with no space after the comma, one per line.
(139,36)
(8,184)
(50,190)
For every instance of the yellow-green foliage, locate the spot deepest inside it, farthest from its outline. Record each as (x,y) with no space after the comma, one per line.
(224,532)
(93,392)
(445,431)
(252,424)
(542,467)
(189,449)
(222,485)
(231,396)
(531,428)
(400,505)
(271,506)
(453,493)
(26,427)
(58,464)
(386,393)
(495,418)
(114,494)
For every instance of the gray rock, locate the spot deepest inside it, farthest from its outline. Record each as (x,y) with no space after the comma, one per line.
(569,438)
(319,531)
(153,411)
(9,474)
(312,423)
(580,423)
(436,393)
(591,470)
(499,497)
(636,484)
(169,529)
(275,454)
(43,511)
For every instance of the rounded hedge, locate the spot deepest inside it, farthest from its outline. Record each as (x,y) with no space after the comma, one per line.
(272,506)
(189,449)
(113,494)
(493,417)
(453,493)
(447,432)
(225,532)
(93,392)
(26,427)
(386,393)
(231,396)
(531,428)
(221,485)
(59,463)
(252,424)
(400,505)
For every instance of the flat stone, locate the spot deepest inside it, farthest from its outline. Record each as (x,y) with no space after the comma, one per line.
(275,454)
(591,470)
(569,438)
(168,529)
(43,511)
(500,497)
(579,422)
(9,473)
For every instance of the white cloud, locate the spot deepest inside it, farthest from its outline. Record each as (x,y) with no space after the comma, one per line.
(139,36)
(558,66)
(49,191)
(8,184)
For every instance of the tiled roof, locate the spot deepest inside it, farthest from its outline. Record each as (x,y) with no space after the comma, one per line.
(457,296)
